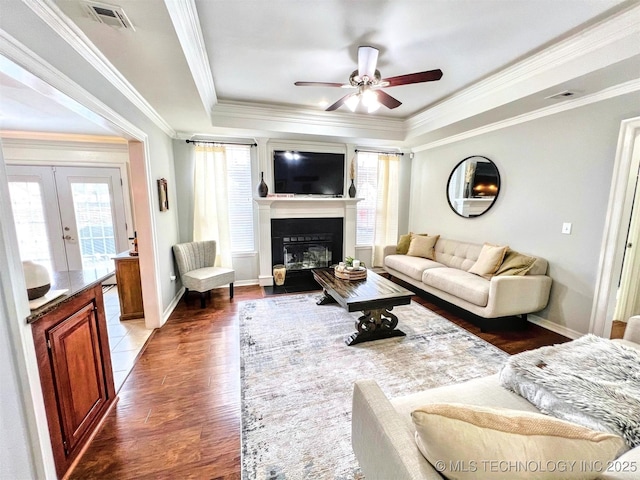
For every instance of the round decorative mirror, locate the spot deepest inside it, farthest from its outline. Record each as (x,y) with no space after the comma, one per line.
(473,186)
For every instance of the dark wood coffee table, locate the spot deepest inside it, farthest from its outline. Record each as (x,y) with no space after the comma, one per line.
(374,296)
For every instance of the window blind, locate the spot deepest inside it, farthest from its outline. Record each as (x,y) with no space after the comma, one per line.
(240,196)
(367,188)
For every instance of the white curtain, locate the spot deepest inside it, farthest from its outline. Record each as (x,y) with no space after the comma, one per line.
(211,213)
(386,231)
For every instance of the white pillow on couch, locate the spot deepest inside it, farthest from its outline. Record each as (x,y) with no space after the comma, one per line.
(470,442)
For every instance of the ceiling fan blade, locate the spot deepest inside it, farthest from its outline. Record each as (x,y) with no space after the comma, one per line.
(318,84)
(387,100)
(428,76)
(339,103)
(367,61)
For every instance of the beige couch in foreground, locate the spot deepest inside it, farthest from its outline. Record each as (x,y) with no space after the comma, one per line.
(447,277)
(383,432)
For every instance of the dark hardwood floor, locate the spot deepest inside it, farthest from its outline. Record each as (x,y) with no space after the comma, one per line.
(178,414)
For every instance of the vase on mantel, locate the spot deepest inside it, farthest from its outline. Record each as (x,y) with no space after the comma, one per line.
(263,190)
(352,189)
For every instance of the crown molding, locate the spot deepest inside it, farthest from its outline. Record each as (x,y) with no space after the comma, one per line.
(528,74)
(67,92)
(8,136)
(63,152)
(184,16)
(53,17)
(607,93)
(305,121)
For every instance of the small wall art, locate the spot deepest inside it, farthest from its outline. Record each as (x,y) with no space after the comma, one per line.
(163,195)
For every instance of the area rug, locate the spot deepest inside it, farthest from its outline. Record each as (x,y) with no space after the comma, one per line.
(297,379)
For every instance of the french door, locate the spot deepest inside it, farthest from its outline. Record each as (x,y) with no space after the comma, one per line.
(68,217)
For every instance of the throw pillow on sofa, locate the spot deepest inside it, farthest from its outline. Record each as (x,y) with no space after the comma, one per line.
(422,246)
(403,244)
(469,442)
(515,263)
(405,240)
(489,260)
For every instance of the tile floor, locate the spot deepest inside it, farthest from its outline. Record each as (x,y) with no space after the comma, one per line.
(126,338)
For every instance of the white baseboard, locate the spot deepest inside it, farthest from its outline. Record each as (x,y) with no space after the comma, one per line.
(245,283)
(172,306)
(265,280)
(554,327)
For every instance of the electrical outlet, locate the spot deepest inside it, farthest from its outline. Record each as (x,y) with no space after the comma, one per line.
(566,228)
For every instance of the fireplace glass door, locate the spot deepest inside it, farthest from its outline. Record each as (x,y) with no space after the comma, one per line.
(304,252)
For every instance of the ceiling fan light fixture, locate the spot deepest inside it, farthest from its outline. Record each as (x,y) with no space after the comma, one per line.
(352,102)
(369,82)
(373,107)
(370,100)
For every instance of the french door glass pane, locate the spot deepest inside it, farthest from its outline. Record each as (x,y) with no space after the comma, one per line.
(31,228)
(92,207)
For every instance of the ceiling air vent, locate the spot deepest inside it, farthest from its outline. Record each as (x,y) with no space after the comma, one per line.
(108,14)
(562,95)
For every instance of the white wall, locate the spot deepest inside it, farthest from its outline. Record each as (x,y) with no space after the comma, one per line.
(553,170)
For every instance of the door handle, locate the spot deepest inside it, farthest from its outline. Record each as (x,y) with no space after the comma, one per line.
(68,237)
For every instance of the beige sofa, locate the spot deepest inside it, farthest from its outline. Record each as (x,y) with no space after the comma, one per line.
(447,277)
(383,432)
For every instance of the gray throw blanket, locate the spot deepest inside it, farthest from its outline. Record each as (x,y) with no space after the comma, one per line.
(590,381)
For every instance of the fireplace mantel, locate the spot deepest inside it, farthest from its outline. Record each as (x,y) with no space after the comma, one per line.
(302,207)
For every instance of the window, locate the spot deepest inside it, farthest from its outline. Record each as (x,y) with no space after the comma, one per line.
(240,193)
(377,215)
(223,201)
(367,188)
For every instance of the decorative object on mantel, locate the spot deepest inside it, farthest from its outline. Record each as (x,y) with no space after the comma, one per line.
(263,190)
(279,274)
(36,277)
(352,176)
(163,196)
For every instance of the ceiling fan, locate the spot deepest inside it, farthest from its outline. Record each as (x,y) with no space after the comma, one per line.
(369,82)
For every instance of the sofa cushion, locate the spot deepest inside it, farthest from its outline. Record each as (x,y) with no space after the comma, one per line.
(496,442)
(410,266)
(207,278)
(464,285)
(422,246)
(453,253)
(515,263)
(489,260)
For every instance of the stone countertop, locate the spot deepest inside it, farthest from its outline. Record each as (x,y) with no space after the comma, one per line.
(74,281)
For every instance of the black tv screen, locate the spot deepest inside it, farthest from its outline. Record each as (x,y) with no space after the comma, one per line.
(308,173)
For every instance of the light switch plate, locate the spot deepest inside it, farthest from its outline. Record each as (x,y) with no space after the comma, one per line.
(566,228)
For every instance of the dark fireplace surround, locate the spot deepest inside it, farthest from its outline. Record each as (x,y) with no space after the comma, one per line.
(302,244)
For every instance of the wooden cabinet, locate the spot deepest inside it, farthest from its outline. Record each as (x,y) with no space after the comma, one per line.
(74,361)
(129,286)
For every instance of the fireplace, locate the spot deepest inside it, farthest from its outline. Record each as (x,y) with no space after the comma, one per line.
(279,217)
(302,244)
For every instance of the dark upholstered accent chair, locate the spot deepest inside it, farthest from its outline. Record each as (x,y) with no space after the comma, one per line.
(195,263)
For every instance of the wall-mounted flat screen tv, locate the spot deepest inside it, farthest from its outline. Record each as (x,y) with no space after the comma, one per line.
(308,173)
